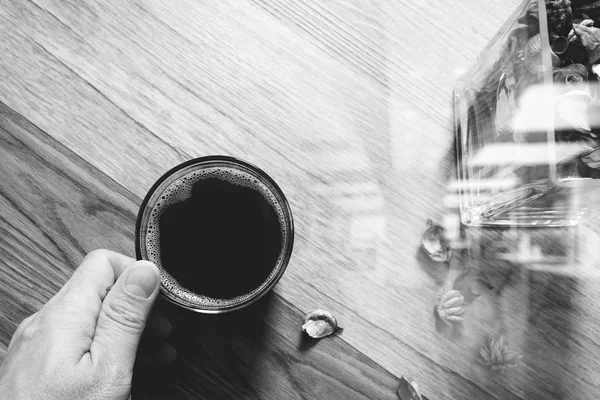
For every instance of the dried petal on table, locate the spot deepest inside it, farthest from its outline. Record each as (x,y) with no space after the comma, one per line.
(432,242)
(320,323)
(590,39)
(408,389)
(450,307)
(496,356)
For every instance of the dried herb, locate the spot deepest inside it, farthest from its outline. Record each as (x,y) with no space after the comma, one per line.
(496,356)
(558,13)
(572,37)
(450,307)
(320,323)
(532,55)
(590,39)
(575,76)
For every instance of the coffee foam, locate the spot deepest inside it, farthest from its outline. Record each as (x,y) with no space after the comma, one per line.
(181,190)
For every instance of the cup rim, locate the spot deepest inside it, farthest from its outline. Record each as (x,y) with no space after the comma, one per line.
(284,204)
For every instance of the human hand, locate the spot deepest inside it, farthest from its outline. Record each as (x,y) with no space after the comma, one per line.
(82,344)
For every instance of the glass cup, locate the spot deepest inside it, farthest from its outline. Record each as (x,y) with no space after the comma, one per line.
(171,189)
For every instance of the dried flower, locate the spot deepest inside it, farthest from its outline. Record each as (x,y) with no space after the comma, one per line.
(431,242)
(591,158)
(590,39)
(320,323)
(532,55)
(408,389)
(586,22)
(558,13)
(497,357)
(575,76)
(450,307)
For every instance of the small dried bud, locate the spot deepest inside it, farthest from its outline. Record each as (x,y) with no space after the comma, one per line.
(320,323)
(497,357)
(450,307)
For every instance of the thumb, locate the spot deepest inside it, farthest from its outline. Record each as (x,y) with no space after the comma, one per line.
(124,313)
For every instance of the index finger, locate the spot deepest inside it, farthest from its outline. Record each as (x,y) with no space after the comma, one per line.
(76,307)
(88,285)
(99,270)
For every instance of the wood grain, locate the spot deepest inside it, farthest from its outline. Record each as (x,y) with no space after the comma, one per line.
(55,209)
(257,353)
(260,353)
(347,105)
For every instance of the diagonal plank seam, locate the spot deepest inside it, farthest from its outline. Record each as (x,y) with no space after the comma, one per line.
(450,371)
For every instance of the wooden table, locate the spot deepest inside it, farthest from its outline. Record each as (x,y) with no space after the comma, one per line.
(347,105)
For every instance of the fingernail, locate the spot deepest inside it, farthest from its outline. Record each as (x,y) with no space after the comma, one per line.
(142,279)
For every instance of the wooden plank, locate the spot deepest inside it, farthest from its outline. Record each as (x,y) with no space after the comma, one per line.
(541,308)
(259,353)
(56,207)
(316,123)
(325,97)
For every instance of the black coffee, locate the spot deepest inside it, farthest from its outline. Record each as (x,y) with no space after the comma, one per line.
(220,237)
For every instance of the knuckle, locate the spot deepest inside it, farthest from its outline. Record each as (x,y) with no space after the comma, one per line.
(124,312)
(28,329)
(73,301)
(29,332)
(97,253)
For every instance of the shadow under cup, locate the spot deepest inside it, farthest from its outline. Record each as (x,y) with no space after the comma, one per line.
(219,229)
